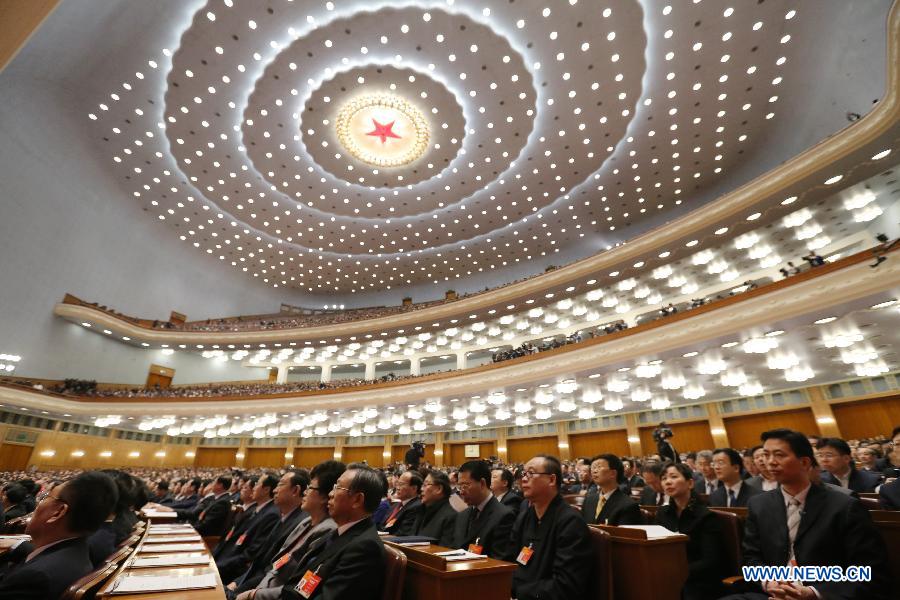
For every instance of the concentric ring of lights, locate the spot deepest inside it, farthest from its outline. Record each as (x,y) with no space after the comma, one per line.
(387,101)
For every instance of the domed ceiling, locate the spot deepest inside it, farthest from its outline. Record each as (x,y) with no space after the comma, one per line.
(345,147)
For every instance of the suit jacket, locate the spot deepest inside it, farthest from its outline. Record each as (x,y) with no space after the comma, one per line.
(270,586)
(350,565)
(192,514)
(834,530)
(513,501)
(618,510)
(860,481)
(720,496)
(560,566)
(47,575)
(705,547)
(246,541)
(491,528)
(212,519)
(185,503)
(889,495)
(14,512)
(700,483)
(405,521)
(437,521)
(102,543)
(648,496)
(262,562)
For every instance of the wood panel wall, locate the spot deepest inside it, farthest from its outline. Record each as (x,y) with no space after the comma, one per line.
(265,458)
(867,418)
(14,457)
(373,455)
(215,457)
(689,437)
(599,442)
(743,431)
(398,453)
(309,457)
(455,454)
(524,449)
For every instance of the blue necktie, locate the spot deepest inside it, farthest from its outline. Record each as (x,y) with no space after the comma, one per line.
(732,500)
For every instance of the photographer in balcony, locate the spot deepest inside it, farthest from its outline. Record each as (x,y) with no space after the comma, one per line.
(664,447)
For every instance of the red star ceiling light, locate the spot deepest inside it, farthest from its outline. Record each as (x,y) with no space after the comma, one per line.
(383,130)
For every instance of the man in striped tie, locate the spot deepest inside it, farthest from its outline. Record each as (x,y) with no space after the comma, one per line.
(805,524)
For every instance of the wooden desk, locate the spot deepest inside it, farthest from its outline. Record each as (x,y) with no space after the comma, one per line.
(645,568)
(430,576)
(217,593)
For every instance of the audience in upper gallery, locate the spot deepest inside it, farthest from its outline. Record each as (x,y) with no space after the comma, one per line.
(60,526)
(806,524)
(502,486)
(686,514)
(401,520)
(608,504)
(834,457)
(549,541)
(349,562)
(734,489)
(437,520)
(289,494)
(483,527)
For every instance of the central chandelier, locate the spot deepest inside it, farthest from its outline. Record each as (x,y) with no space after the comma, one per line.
(382,130)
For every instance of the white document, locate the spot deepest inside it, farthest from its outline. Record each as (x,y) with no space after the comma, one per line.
(131,584)
(165,539)
(454,555)
(654,532)
(170,560)
(171,548)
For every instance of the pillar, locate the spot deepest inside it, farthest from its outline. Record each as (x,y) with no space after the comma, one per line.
(289,451)
(460,360)
(415,365)
(439,449)
(562,435)
(282,374)
(326,373)
(502,452)
(241,453)
(388,450)
(717,426)
(634,435)
(370,370)
(339,446)
(828,426)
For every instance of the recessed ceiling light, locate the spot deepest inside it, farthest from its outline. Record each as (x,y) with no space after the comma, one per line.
(775,333)
(825,320)
(690,354)
(721,230)
(884,304)
(729,344)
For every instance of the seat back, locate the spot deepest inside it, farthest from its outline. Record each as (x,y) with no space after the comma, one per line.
(119,555)
(870,503)
(86,587)
(129,541)
(732,531)
(17,526)
(602,583)
(395,573)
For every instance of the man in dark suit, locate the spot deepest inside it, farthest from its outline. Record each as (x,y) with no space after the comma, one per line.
(484,527)
(834,456)
(502,487)
(190,496)
(609,505)
(734,491)
(806,524)
(211,520)
(437,519)
(549,542)
(705,481)
(633,477)
(652,493)
(57,555)
(585,484)
(161,493)
(288,497)
(245,540)
(12,498)
(889,495)
(401,520)
(350,562)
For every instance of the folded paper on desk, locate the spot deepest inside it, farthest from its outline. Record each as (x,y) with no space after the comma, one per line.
(171,548)
(139,584)
(654,532)
(153,538)
(170,560)
(454,555)
(410,540)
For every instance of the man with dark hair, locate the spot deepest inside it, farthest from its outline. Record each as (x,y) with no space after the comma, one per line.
(190,496)
(246,539)
(12,497)
(633,477)
(652,493)
(288,497)
(585,484)
(502,481)
(734,491)
(402,518)
(806,524)
(764,481)
(438,517)
(834,456)
(549,541)
(609,505)
(483,527)
(58,552)
(161,493)
(211,520)
(350,562)
(31,490)
(705,481)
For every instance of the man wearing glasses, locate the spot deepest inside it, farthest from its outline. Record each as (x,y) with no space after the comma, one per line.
(402,518)
(58,554)
(550,542)
(482,528)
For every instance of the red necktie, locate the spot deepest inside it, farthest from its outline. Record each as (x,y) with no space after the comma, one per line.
(393,514)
